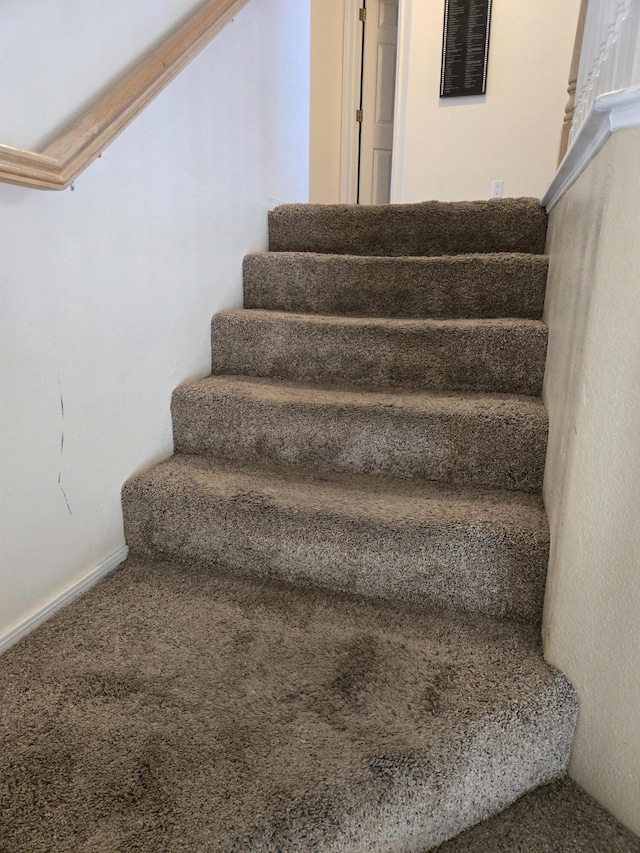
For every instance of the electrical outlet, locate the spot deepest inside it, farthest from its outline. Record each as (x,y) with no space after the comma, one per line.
(496,189)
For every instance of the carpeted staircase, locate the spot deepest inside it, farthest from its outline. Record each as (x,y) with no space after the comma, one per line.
(327,636)
(373,426)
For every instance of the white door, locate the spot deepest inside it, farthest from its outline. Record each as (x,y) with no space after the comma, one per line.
(378,99)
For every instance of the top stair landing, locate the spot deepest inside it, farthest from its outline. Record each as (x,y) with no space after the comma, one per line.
(424,229)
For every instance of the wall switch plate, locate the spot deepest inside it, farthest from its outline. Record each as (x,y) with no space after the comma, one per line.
(496,189)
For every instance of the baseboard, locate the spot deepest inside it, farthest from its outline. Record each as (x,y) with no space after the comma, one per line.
(611,112)
(42,614)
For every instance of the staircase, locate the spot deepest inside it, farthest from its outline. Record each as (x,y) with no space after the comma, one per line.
(359,480)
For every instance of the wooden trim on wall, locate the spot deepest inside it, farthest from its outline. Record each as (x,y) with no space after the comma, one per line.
(76,147)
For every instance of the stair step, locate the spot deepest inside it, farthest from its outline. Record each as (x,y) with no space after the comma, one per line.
(501,356)
(171,708)
(475,439)
(555,818)
(472,286)
(423,544)
(426,228)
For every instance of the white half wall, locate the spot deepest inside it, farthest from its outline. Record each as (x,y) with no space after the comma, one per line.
(592,481)
(452,149)
(108,290)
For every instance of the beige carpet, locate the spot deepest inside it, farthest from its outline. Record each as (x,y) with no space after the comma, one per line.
(172,709)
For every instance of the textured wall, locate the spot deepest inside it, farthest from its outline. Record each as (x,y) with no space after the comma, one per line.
(592,486)
(108,291)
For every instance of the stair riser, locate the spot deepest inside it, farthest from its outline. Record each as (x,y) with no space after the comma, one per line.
(467,286)
(499,359)
(535,751)
(494,571)
(414,813)
(468,449)
(425,229)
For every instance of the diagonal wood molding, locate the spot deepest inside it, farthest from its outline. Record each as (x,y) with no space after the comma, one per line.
(78,145)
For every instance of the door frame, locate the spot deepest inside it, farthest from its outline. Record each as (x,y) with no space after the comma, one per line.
(351,76)
(400,110)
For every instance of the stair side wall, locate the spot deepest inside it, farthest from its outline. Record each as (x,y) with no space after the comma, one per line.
(592,485)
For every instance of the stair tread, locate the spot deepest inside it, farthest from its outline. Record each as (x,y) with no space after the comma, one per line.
(481,285)
(462,548)
(358,496)
(401,260)
(556,818)
(301,318)
(471,439)
(292,719)
(474,404)
(488,355)
(422,228)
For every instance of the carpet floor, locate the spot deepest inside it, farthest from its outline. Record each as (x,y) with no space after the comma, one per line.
(142,717)
(175,708)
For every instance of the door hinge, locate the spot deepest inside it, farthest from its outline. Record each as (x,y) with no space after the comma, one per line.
(358,115)
(363,15)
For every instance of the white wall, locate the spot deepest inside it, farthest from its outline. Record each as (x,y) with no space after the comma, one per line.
(452,149)
(60,55)
(592,481)
(107,291)
(284,99)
